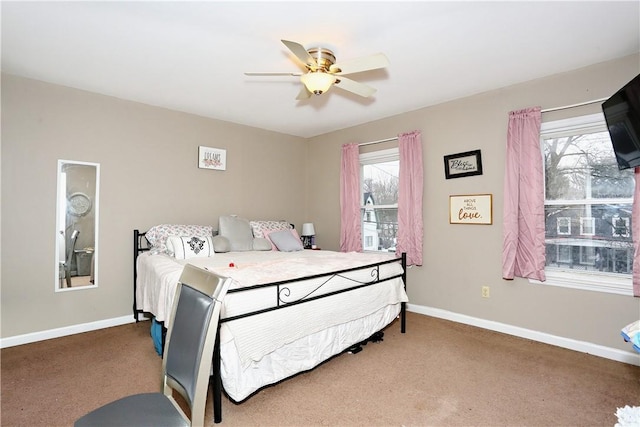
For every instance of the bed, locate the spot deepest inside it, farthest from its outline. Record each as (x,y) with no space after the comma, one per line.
(286,311)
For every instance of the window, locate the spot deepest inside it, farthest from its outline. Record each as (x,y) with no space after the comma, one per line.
(584,186)
(620,227)
(587,255)
(379,195)
(564,225)
(587,226)
(368,241)
(564,254)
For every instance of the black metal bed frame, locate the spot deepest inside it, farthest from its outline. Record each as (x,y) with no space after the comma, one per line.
(282,290)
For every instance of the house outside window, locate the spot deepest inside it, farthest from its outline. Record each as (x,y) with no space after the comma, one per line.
(379,189)
(584,186)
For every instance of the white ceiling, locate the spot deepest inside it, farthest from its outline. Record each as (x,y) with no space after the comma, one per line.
(191,56)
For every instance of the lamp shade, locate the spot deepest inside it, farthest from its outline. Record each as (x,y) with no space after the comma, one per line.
(317,82)
(308,230)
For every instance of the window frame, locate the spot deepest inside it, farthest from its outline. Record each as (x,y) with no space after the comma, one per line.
(371,158)
(627,228)
(614,283)
(566,222)
(587,226)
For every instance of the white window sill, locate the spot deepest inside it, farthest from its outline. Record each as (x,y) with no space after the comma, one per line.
(592,281)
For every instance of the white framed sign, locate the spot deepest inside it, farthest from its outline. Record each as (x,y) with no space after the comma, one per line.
(212,158)
(471,209)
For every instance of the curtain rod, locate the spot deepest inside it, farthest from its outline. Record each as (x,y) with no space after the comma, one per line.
(395,138)
(564,107)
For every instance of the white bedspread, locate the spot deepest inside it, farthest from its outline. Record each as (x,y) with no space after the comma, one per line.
(257,336)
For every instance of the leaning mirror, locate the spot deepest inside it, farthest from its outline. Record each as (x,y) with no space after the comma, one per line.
(77,225)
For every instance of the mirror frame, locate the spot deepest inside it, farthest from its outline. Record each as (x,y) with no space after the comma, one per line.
(61,214)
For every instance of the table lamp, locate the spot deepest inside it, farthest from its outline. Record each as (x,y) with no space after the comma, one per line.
(308,235)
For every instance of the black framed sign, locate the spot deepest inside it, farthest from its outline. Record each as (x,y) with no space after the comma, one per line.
(464,164)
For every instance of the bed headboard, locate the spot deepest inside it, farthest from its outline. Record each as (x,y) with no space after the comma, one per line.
(140,244)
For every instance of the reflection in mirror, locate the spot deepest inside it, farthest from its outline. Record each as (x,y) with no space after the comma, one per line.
(77,225)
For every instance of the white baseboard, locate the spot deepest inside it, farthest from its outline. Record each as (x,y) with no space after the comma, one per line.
(67,330)
(571,344)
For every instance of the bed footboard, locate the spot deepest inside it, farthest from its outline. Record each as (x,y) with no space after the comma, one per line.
(216,378)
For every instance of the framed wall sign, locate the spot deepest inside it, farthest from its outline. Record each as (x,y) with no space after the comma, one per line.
(471,209)
(212,158)
(463,164)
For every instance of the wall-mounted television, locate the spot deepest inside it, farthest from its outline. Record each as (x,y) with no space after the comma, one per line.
(622,114)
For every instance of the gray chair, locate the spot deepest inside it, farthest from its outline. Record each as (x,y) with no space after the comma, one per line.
(69,258)
(186,364)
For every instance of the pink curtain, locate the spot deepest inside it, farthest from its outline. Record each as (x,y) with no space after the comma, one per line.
(411,183)
(350,221)
(635,231)
(523,251)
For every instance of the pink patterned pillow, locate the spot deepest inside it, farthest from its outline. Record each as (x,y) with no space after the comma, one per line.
(157,235)
(260,227)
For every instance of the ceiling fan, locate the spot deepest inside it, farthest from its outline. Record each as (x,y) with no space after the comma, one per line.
(322,71)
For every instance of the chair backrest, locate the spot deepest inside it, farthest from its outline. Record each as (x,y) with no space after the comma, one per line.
(191,337)
(72,247)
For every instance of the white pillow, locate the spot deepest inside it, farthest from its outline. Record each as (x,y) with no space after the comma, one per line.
(190,247)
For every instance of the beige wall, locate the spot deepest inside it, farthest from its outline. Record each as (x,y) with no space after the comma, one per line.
(459,259)
(149,175)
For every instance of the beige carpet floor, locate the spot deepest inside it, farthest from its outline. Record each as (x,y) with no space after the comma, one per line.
(439,373)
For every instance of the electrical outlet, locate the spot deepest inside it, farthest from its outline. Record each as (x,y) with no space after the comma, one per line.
(485,292)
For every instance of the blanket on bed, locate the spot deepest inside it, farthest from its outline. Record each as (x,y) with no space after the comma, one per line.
(258,335)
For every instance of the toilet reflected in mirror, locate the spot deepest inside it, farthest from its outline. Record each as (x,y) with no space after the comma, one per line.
(77,225)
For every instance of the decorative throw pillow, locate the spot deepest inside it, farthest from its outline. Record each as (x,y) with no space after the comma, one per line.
(157,235)
(190,247)
(260,227)
(285,241)
(267,235)
(221,244)
(261,244)
(238,231)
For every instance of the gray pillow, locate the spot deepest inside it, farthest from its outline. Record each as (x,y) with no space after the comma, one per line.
(261,244)
(221,244)
(285,241)
(238,231)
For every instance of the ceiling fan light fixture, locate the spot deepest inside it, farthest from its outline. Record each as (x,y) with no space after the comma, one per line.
(322,71)
(317,82)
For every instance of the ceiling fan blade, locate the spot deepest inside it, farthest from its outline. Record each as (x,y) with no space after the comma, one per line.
(272,74)
(303,94)
(366,63)
(354,87)
(300,52)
